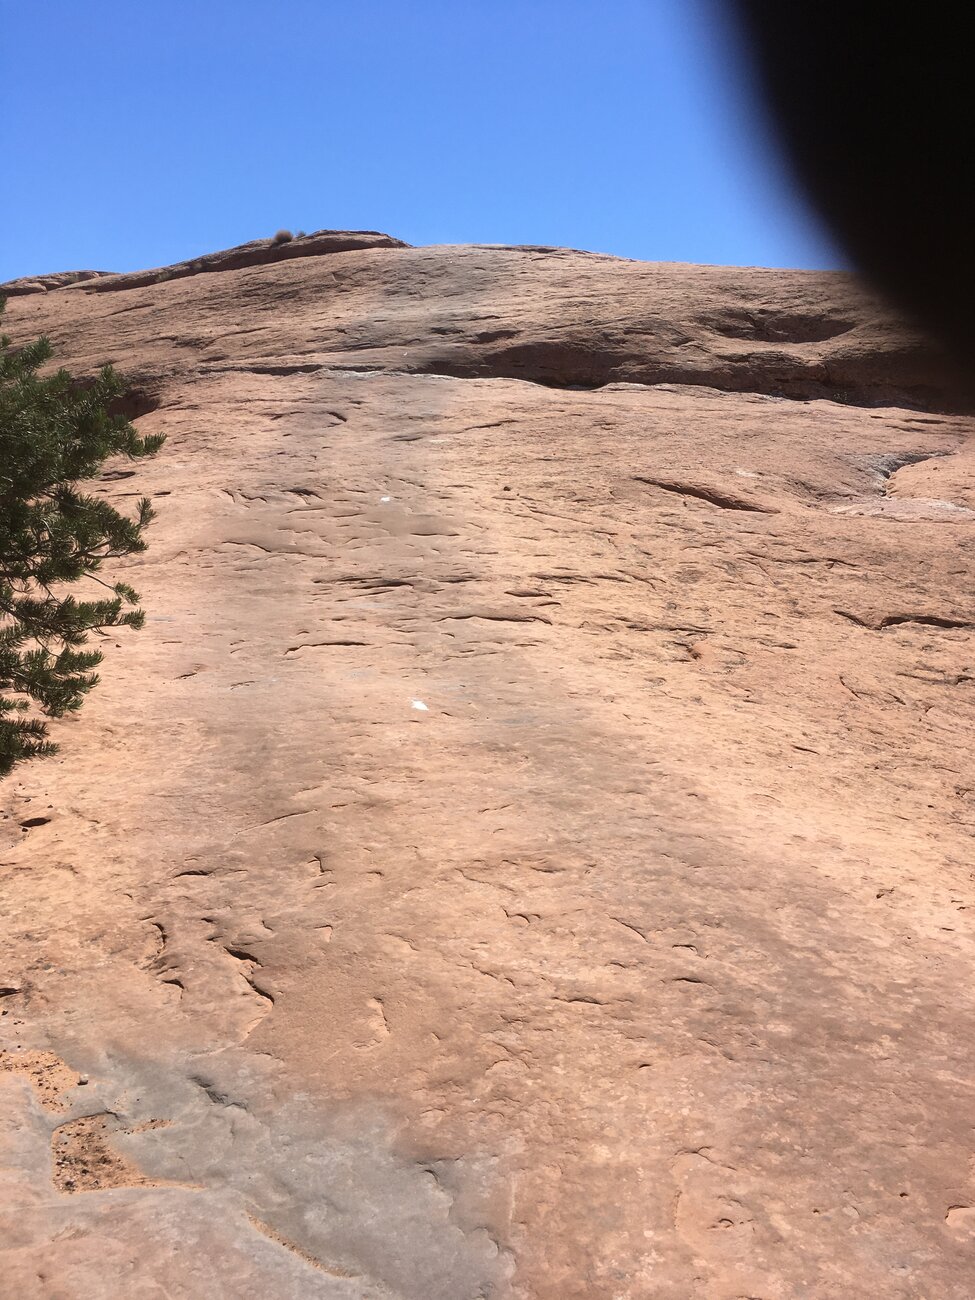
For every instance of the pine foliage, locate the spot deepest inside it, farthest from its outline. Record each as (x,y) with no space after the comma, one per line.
(55,433)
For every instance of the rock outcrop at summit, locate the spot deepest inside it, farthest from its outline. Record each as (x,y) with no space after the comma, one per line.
(259,252)
(546,315)
(541,867)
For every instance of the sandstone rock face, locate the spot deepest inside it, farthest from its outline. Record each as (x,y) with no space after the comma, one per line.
(259,252)
(44,283)
(527,853)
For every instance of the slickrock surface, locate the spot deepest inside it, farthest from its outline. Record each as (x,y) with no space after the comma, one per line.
(527,853)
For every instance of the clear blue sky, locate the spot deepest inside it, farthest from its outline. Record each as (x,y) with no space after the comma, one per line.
(140,132)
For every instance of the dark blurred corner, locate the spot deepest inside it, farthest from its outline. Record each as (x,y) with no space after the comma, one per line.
(874,104)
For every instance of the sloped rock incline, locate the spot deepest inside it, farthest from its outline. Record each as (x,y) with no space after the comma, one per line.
(45,283)
(550,316)
(527,853)
(259,252)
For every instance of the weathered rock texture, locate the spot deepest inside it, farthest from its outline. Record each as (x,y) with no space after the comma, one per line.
(259,252)
(527,853)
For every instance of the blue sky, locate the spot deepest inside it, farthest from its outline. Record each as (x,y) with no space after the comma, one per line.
(142,132)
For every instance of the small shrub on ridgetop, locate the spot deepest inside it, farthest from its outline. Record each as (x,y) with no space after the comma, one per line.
(282,237)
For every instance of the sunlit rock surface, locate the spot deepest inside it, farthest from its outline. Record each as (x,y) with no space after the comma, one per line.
(528,851)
